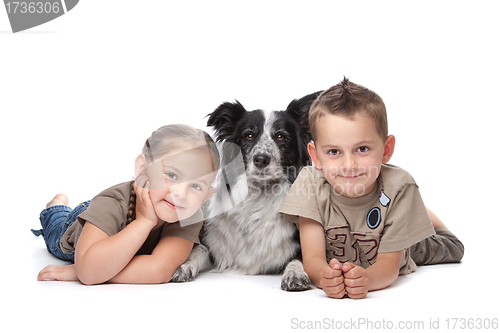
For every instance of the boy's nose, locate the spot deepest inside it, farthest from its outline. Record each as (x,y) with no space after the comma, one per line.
(349,162)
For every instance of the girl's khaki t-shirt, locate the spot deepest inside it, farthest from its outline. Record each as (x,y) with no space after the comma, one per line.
(108,212)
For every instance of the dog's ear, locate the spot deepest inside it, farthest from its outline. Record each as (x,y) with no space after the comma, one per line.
(299,110)
(224,118)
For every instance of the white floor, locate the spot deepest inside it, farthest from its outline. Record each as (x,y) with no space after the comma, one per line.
(232,303)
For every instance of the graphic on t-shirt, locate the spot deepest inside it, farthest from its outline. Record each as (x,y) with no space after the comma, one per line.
(337,237)
(359,248)
(373,218)
(368,246)
(384,199)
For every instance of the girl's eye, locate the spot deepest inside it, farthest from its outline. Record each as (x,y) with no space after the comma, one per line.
(197,187)
(333,152)
(363,149)
(171,175)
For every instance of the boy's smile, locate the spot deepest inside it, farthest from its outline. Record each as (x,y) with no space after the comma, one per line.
(350,153)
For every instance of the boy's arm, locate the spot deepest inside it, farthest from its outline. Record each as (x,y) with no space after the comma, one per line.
(384,271)
(323,275)
(359,281)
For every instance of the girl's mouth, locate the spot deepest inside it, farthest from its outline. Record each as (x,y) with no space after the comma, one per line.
(171,205)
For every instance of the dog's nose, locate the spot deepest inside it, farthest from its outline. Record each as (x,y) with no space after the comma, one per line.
(261,160)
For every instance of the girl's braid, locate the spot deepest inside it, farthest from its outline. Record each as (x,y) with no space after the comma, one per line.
(131,207)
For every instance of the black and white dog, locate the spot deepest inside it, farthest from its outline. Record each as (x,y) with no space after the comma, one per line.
(244,233)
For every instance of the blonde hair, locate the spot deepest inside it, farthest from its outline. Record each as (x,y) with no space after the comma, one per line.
(349,99)
(171,138)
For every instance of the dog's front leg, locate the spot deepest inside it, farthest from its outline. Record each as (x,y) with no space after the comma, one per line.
(198,260)
(295,277)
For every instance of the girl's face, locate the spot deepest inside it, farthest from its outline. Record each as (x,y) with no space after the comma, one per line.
(180,183)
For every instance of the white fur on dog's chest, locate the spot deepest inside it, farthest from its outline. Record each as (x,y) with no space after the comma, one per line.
(252,237)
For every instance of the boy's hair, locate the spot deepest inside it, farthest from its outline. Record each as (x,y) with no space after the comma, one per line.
(170,139)
(348,99)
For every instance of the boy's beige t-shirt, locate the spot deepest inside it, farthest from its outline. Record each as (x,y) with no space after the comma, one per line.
(108,212)
(390,218)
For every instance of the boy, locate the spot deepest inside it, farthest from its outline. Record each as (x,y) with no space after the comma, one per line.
(355,211)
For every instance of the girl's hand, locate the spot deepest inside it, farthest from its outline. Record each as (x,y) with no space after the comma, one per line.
(144,208)
(58,272)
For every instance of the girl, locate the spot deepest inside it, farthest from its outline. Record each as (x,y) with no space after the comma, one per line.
(139,231)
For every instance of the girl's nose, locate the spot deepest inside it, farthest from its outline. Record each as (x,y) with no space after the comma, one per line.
(179,190)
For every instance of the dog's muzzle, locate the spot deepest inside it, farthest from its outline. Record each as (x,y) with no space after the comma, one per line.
(261,160)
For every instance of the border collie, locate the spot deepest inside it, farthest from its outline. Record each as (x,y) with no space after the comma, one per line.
(244,233)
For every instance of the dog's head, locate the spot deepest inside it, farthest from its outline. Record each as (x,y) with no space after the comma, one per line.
(273,145)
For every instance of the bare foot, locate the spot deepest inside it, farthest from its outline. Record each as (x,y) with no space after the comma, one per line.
(59,199)
(436,222)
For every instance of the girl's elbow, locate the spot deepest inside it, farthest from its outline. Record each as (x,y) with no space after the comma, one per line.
(87,276)
(162,274)
(162,279)
(89,282)
(89,279)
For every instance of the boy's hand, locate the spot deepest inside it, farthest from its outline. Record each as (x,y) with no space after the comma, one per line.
(143,206)
(332,280)
(356,280)
(58,272)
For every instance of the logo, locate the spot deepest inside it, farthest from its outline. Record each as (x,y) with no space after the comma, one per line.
(373,218)
(24,15)
(384,199)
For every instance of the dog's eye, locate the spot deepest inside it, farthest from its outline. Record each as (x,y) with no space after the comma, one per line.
(249,137)
(280,137)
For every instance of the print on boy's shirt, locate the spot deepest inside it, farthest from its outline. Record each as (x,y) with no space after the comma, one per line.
(373,218)
(336,237)
(384,199)
(355,247)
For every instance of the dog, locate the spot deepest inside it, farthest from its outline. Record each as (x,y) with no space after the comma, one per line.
(244,233)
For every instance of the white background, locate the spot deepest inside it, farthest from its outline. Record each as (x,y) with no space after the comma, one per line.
(79,96)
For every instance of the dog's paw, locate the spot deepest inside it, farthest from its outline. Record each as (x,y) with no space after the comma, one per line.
(295,283)
(185,273)
(295,278)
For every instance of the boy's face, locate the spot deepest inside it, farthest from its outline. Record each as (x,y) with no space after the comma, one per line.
(350,153)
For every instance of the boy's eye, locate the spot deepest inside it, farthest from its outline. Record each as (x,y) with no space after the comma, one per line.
(363,149)
(333,152)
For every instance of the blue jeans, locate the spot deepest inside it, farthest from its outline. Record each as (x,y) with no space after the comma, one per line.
(55,221)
